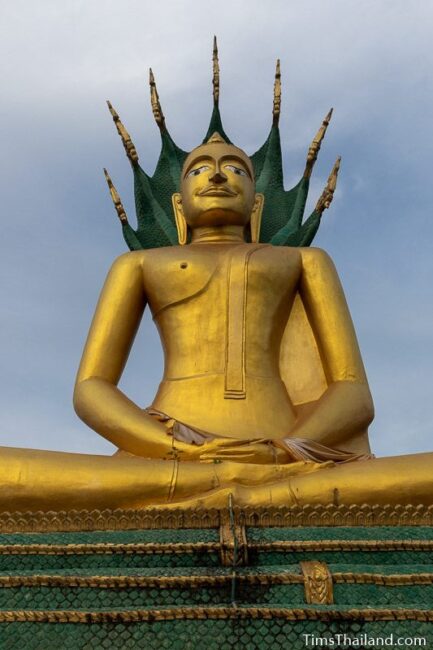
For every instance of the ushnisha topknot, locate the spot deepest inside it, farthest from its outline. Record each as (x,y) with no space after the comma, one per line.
(282,220)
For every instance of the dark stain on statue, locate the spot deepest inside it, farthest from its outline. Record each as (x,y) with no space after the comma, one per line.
(336,497)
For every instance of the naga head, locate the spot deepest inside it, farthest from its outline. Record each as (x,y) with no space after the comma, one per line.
(218,184)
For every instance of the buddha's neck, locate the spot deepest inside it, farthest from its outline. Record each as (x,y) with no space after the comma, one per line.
(218,235)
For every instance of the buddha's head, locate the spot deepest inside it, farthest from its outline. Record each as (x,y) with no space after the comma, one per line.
(217,189)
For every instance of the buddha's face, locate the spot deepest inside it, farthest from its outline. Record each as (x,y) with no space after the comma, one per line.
(217,186)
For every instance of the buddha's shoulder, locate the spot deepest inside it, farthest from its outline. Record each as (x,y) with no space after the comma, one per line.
(160,261)
(314,257)
(133,259)
(150,256)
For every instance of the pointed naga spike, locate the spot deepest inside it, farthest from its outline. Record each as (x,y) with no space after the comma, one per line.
(131,152)
(316,144)
(156,104)
(116,199)
(216,73)
(327,195)
(277,96)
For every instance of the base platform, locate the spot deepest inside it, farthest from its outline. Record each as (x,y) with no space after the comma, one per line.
(236,578)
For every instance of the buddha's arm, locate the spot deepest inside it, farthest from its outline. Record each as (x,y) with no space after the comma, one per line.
(97,399)
(346,407)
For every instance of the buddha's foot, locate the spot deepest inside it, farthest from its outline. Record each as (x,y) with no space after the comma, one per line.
(402,480)
(229,472)
(241,495)
(251,485)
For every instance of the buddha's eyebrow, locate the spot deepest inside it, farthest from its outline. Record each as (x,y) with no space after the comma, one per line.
(195,162)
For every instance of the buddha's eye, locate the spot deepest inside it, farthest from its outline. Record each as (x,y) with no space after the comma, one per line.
(197,170)
(236,170)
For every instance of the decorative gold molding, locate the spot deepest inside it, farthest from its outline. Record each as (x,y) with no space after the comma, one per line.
(344,545)
(118,205)
(129,146)
(276,106)
(327,195)
(195,581)
(317,583)
(203,613)
(153,518)
(227,541)
(215,72)
(88,520)
(388,580)
(150,548)
(160,582)
(331,515)
(233,540)
(155,103)
(314,147)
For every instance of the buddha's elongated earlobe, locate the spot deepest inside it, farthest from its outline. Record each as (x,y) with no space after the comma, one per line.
(181,225)
(256,217)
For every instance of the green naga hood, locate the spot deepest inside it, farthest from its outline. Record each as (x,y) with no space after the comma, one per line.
(282,220)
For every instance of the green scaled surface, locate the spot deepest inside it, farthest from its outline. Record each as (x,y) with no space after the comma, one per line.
(198,634)
(190,579)
(155,220)
(216,125)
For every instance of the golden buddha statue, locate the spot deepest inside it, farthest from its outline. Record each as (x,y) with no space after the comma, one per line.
(264,394)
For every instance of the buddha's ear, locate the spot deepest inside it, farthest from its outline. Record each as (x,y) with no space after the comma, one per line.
(256,217)
(181,225)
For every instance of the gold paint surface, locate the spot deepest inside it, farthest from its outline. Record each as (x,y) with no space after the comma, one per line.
(267,325)
(237,292)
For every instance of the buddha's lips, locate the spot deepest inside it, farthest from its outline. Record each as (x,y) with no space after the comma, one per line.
(217,191)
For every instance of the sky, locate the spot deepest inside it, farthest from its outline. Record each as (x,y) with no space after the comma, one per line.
(372,60)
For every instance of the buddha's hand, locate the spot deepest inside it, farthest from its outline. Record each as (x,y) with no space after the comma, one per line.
(207,451)
(262,452)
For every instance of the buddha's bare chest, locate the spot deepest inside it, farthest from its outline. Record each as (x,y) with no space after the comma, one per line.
(248,276)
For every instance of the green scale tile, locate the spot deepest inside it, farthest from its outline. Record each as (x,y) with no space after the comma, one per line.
(354,558)
(385,596)
(105,562)
(165,536)
(273,534)
(43,598)
(254,634)
(165,571)
(218,634)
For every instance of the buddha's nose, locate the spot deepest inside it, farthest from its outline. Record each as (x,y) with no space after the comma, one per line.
(217,177)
